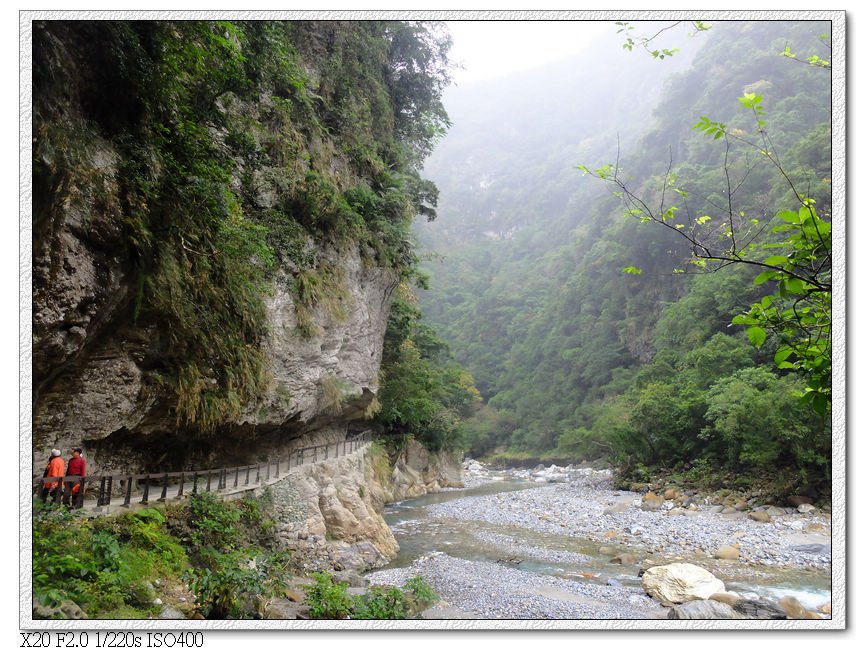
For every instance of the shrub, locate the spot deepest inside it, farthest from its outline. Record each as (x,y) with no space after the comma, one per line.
(328,599)
(213,522)
(421,592)
(381,603)
(220,591)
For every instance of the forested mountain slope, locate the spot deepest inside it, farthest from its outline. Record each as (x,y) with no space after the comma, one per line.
(575,357)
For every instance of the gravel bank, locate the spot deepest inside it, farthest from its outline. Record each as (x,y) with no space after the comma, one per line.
(581,505)
(492,591)
(586,507)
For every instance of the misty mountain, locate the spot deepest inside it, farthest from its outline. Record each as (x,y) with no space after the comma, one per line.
(526,254)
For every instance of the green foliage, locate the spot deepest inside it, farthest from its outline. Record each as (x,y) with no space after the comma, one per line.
(108,565)
(799,313)
(381,603)
(420,592)
(646,42)
(331,600)
(103,565)
(424,393)
(218,588)
(231,574)
(213,522)
(755,421)
(243,148)
(580,360)
(328,599)
(814,59)
(323,286)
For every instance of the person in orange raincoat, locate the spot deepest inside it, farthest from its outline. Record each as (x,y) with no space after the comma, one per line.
(56,468)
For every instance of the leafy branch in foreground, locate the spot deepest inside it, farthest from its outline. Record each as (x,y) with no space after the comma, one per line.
(813,60)
(646,41)
(795,253)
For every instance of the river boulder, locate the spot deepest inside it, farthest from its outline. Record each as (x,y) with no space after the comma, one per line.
(680,582)
(652,501)
(702,610)
(727,552)
(760,515)
(759,609)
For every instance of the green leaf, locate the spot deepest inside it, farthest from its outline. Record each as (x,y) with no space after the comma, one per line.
(805,214)
(768,275)
(633,270)
(793,286)
(789,215)
(775,260)
(783,352)
(757,335)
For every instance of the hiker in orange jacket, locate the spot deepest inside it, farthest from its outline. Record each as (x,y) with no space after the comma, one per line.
(56,468)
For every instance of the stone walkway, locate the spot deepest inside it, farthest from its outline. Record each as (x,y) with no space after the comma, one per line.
(257,477)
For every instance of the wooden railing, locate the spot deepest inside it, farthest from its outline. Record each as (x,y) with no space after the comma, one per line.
(175,485)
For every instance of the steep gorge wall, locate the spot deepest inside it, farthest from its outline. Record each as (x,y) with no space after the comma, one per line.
(104,395)
(220,218)
(331,512)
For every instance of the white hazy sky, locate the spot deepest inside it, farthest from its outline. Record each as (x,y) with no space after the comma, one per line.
(493,48)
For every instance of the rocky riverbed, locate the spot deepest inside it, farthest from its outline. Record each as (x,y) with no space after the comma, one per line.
(593,526)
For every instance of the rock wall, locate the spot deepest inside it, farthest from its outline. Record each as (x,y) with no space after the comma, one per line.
(331,512)
(417,472)
(100,368)
(102,392)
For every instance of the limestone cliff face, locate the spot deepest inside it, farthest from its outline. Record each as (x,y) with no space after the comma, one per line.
(112,212)
(332,377)
(94,379)
(332,511)
(418,471)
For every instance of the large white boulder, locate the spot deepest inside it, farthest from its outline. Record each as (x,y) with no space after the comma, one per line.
(680,583)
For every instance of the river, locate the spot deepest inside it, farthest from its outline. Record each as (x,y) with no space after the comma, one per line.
(448,522)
